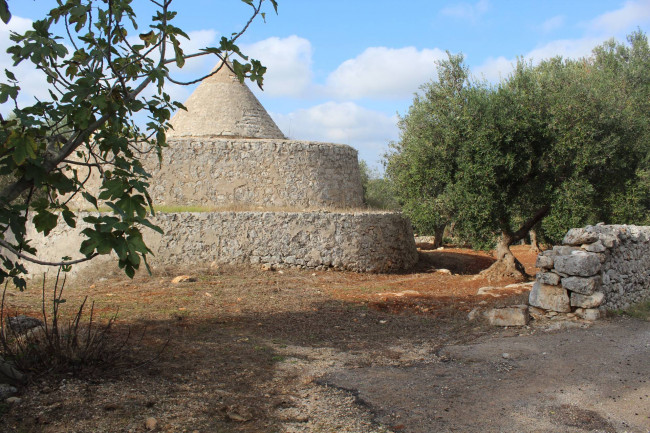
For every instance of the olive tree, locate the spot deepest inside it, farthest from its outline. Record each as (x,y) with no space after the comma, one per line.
(556,145)
(98,58)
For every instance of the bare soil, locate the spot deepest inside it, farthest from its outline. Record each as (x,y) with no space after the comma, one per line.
(292,350)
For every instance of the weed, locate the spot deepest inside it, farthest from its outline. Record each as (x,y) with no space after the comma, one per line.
(60,345)
(638,311)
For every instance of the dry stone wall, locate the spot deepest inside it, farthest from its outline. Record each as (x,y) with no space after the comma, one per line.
(597,267)
(264,173)
(361,241)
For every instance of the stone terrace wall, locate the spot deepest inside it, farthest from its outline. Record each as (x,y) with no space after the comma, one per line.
(260,172)
(363,241)
(602,266)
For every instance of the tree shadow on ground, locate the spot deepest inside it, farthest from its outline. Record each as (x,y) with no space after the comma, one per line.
(457,263)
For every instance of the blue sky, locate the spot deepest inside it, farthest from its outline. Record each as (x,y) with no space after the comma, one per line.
(341,70)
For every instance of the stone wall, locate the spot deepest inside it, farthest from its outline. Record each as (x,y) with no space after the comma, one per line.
(264,173)
(597,267)
(360,241)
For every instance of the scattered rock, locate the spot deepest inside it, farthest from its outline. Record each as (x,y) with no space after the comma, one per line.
(549,298)
(536,313)
(443,271)
(183,279)
(13,400)
(238,413)
(21,324)
(509,316)
(267,267)
(474,314)
(587,301)
(6,391)
(590,314)
(505,355)
(9,373)
(150,423)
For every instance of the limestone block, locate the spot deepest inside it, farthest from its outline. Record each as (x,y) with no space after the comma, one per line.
(563,250)
(549,298)
(585,286)
(579,236)
(579,263)
(596,247)
(587,301)
(509,316)
(544,261)
(548,278)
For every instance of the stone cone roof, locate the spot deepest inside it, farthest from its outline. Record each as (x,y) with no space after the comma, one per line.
(221,106)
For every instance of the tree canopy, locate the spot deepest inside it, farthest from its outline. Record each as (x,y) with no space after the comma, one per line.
(556,145)
(98,58)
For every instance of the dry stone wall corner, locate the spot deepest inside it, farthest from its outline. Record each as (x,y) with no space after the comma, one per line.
(597,268)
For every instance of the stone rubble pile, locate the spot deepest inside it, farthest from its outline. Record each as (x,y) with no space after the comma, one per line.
(595,269)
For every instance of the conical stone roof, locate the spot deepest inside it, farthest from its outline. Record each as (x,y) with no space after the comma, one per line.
(221,106)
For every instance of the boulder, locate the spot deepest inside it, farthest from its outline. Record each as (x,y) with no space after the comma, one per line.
(509,316)
(549,298)
(587,301)
(585,286)
(579,263)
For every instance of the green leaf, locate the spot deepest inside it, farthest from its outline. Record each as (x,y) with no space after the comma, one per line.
(45,221)
(5,15)
(69,218)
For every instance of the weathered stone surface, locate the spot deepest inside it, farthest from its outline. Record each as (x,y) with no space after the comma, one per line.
(579,263)
(21,323)
(545,262)
(596,247)
(509,316)
(6,391)
(548,278)
(587,301)
(585,286)
(355,241)
(9,373)
(549,298)
(183,279)
(579,236)
(563,250)
(589,313)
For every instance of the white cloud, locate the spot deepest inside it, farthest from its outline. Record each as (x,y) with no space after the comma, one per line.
(630,15)
(553,23)
(289,64)
(494,69)
(381,72)
(467,11)
(367,130)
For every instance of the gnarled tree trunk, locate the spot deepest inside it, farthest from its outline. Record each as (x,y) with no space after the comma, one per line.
(438,235)
(534,244)
(507,265)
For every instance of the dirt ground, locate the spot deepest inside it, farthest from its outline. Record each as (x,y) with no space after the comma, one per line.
(291,350)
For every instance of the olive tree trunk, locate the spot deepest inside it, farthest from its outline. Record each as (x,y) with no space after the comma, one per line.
(507,265)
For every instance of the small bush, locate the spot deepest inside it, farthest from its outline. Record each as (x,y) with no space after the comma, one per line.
(58,345)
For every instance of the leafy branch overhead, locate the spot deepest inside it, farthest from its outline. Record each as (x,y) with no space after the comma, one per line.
(97,62)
